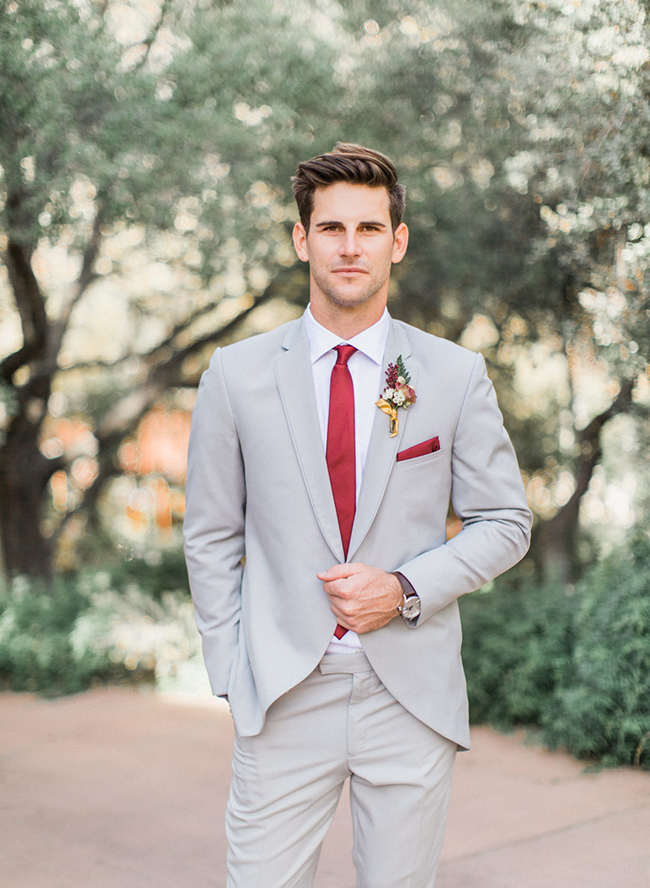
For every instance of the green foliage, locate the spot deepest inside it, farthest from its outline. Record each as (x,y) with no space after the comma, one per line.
(135,623)
(602,709)
(517,644)
(165,572)
(36,652)
(575,665)
(402,371)
(520,131)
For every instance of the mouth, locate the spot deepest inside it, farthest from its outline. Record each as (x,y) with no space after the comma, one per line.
(349,269)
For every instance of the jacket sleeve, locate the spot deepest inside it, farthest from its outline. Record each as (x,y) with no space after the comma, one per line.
(487,496)
(214,523)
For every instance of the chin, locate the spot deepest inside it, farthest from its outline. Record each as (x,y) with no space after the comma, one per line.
(349,300)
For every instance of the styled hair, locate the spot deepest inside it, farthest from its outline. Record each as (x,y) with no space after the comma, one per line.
(347,163)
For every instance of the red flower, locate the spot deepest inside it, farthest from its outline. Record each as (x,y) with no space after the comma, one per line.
(391,376)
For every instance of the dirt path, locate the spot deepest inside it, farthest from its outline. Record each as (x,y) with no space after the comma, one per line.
(122,789)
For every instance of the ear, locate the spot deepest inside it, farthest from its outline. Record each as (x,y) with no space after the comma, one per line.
(300,242)
(400,243)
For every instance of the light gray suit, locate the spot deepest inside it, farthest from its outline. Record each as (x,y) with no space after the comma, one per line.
(258,487)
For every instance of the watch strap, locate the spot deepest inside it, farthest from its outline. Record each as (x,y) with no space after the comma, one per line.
(407,586)
(409,592)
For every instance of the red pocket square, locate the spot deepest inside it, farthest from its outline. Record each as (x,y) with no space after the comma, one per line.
(430,446)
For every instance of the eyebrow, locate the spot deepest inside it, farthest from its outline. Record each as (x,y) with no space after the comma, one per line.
(338,222)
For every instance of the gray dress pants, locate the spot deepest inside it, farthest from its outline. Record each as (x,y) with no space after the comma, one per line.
(339,722)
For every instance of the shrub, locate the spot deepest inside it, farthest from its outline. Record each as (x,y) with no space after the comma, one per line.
(36,653)
(154,575)
(602,709)
(82,630)
(574,663)
(517,645)
(137,632)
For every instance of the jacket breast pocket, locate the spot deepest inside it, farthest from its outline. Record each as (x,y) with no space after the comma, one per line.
(424,448)
(404,465)
(418,493)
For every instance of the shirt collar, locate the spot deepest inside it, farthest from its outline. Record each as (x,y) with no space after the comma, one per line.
(371,341)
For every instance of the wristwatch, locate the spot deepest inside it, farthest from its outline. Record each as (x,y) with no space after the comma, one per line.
(410,608)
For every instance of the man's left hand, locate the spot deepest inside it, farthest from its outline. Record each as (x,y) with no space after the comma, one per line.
(362,598)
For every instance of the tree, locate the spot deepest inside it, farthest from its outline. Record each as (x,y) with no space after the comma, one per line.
(152,146)
(115,129)
(527,136)
(583,109)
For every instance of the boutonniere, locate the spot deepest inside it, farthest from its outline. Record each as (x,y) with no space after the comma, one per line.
(397,393)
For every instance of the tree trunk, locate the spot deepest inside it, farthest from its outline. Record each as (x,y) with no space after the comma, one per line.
(558,535)
(24,475)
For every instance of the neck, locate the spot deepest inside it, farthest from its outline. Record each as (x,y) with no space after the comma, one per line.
(348,321)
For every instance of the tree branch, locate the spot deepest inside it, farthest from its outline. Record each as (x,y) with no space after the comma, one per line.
(86,277)
(590,444)
(589,438)
(88,501)
(559,532)
(167,342)
(31,308)
(57,330)
(99,365)
(174,362)
(591,450)
(177,330)
(124,416)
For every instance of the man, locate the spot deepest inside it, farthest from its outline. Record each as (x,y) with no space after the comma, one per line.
(337,639)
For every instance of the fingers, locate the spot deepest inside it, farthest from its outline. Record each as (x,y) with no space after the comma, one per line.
(339,583)
(361,597)
(352,581)
(362,622)
(338,572)
(346,608)
(338,580)
(339,589)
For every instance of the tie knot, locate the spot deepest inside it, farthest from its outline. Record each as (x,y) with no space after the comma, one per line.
(344,353)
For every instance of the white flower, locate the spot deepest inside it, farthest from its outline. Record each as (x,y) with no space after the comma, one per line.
(399,398)
(401,380)
(388,394)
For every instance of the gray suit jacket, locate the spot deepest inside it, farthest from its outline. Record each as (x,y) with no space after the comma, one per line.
(258,487)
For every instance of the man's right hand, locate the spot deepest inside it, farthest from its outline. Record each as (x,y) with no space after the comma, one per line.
(362,598)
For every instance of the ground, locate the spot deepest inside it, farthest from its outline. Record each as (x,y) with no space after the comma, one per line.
(118,788)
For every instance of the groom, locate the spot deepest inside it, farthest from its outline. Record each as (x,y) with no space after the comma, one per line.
(325,590)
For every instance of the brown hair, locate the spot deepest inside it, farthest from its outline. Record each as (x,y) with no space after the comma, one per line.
(347,163)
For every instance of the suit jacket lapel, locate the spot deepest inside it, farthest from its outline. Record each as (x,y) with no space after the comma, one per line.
(293,374)
(383,449)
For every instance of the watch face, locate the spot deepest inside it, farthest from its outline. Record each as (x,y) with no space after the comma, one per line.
(411,608)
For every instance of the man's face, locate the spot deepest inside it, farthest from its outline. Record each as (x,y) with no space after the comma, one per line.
(350,246)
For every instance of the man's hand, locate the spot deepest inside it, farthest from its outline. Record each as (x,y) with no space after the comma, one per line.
(362,598)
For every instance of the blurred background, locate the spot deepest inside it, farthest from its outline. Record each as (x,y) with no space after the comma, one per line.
(146,150)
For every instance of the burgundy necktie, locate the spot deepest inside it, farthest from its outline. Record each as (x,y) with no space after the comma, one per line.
(340,451)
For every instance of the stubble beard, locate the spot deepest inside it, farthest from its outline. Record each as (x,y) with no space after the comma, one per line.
(360,297)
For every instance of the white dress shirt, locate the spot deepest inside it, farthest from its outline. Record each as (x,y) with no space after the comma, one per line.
(366,371)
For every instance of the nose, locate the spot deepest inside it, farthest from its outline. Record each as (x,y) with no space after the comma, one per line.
(350,246)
